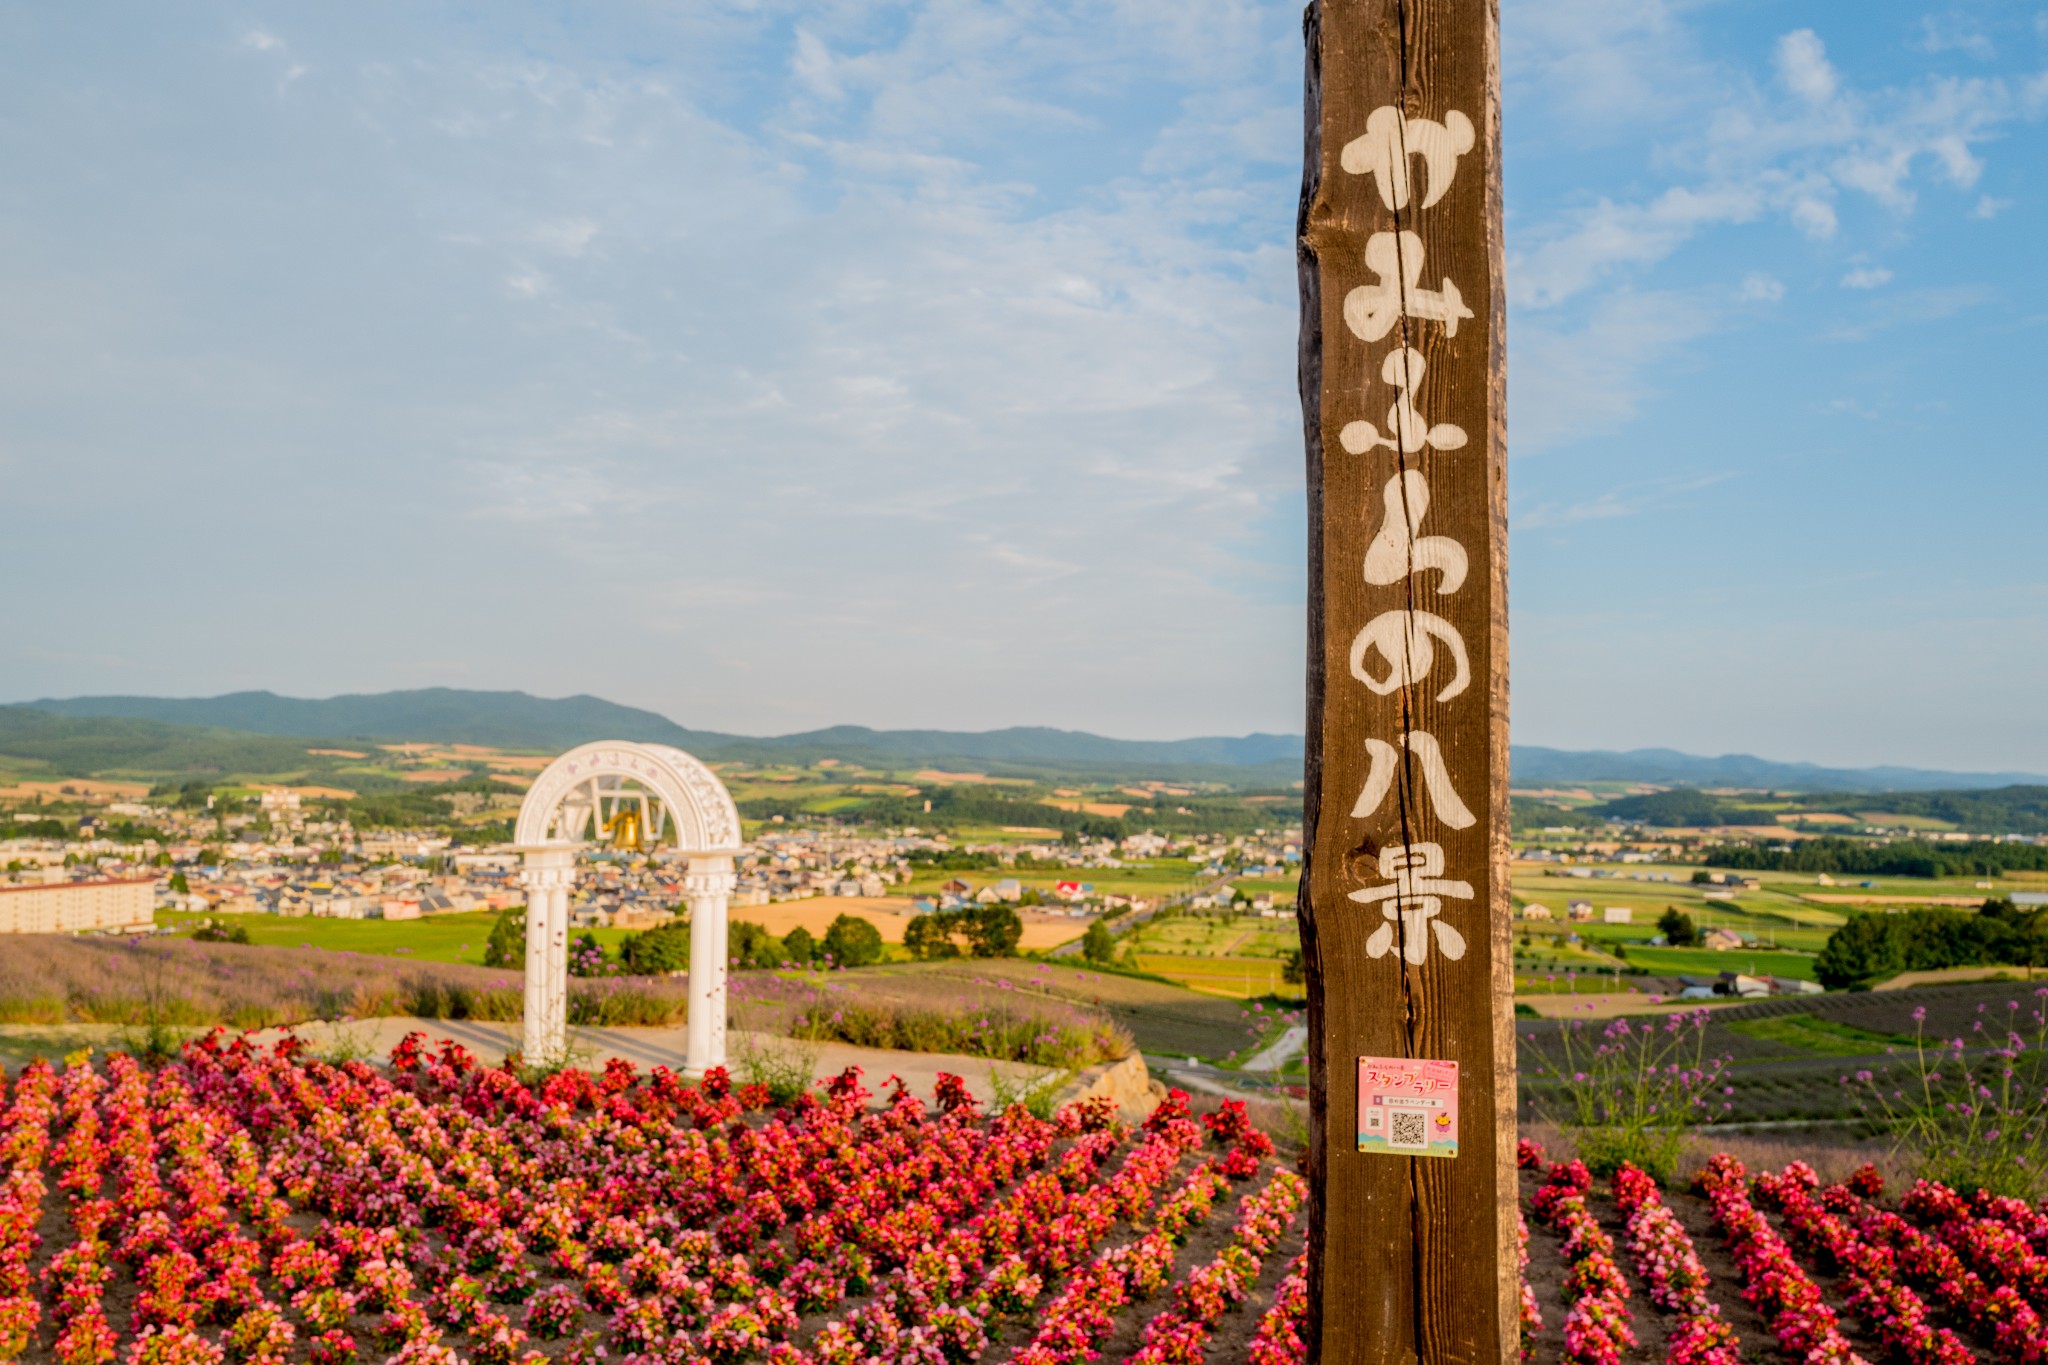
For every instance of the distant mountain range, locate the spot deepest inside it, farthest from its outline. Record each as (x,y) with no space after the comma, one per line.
(517,720)
(1534,766)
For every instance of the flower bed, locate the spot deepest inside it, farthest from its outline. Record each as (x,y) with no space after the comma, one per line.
(249,1208)
(1664,1259)
(1596,1325)
(1896,1314)
(1787,1297)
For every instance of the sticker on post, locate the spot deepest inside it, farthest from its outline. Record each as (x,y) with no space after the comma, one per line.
(1407,1106)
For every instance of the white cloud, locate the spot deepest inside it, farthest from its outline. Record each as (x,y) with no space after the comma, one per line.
(1952,33)
(566,236)
(1803,66)
(1912,307)
(1609,237)
(1568,383)
(1866,277)
(1987,207)
(1615,503)
(1761,288)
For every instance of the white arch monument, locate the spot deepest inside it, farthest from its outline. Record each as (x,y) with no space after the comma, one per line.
(667,794)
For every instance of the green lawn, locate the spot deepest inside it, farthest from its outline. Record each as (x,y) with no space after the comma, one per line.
(1808,1033)
(436,938)
(1705,962)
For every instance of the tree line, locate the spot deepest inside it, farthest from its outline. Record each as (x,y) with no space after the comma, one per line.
(1874,947)
(1862,858)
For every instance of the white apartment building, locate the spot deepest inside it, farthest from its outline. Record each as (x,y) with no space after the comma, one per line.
(73,907)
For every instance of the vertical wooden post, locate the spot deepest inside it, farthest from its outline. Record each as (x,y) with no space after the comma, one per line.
(1405,910)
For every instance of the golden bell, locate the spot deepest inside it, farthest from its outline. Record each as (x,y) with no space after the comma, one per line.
(623,829)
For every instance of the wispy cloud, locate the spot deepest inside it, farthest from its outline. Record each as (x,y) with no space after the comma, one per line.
(1632,501)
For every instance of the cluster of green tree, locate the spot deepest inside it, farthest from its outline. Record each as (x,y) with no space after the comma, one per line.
(214,931)
(1873,947)
(1684,808)
(768,807)
(955,806)
(189,795)
(130,832)
(981,930)
(1526,813)
(848,942)
(36,829)
(412,807)
(952,807)
(1677,927)
(1904,858)
(952,859)
(2003,810)
(1228,814)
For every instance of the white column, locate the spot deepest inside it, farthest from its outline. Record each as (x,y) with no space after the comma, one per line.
(546,876)
(558,964)
(705,888)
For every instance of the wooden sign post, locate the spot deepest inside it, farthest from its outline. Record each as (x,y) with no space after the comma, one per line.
(1404,923)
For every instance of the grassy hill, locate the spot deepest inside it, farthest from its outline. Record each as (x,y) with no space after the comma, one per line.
(517,720)
(69,746)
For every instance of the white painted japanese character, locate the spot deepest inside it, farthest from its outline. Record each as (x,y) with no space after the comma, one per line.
(1409,431)
(1391,137)
(1415,896)
(1371,310)
(1384,759)
(1403,639)
(1400,548)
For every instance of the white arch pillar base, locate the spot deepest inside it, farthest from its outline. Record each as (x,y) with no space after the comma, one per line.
(548,875)
(706,891)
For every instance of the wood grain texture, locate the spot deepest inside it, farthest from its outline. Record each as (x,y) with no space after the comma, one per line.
(1411,1258)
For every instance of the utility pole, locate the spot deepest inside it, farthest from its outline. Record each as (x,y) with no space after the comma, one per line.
(1405,911)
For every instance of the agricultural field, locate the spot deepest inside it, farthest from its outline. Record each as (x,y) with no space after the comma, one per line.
(1235,955)
(1162,1017)
(1241,978)
(431,938)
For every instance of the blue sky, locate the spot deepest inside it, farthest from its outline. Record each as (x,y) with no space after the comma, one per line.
(931,364)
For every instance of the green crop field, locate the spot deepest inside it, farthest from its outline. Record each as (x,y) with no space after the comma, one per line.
(1704,962)
(435,938)
(1239,977)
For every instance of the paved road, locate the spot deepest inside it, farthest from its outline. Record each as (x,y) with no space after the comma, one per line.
(1282,1050)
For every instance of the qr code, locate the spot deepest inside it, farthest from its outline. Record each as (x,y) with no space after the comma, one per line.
(1411,1129)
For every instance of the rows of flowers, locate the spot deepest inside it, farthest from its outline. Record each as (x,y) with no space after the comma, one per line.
(1278,1340)
(258,1207)
(1877,1292)
(1773,1282)
(1597,1324)
(1997,1314)
(1984,1237)
(1672,1273)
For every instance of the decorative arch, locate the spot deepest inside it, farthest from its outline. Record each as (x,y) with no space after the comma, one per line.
(679,802)
(694,805)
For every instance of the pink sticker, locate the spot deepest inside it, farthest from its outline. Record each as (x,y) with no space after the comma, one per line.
(1407,1106)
